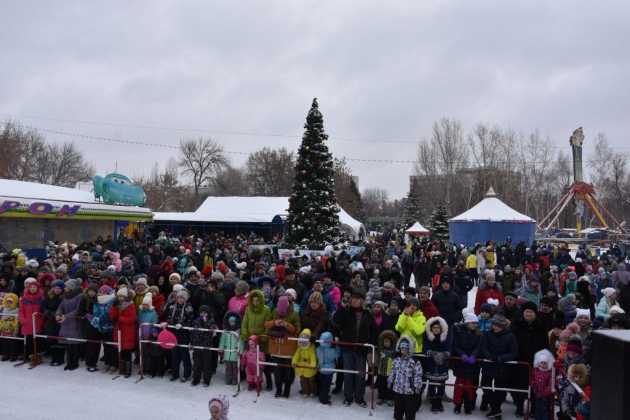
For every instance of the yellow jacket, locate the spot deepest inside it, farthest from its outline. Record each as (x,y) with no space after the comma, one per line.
(471,261)
(305,356)
(9,315)
(413,326)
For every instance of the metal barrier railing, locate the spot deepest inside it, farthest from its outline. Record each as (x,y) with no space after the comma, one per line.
(190,346)
(345,371)
(35,358)
(527,391)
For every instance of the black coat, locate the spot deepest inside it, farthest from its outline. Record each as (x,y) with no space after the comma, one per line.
(215,301)
(499,348)
(449,304)
(466,343)
(204,338)
(345,322)
(530,338)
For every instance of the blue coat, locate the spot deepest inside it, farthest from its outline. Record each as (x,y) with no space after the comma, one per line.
(101,320)
(326,354)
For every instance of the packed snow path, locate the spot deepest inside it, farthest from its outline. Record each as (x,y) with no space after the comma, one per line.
(50,393)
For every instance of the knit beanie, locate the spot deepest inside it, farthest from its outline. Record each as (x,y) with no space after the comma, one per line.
(609,291)
(72,284)
(105,290)
(470,317)
(292,293)
(147,299)
(283,306)
(500,320)
(582,312)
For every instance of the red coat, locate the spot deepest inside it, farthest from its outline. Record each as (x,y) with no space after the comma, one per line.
(486,292)
(428,308)
(29,304)
(158,304)
(125,320)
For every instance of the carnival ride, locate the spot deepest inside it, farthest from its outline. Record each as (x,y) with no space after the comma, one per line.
(583,195)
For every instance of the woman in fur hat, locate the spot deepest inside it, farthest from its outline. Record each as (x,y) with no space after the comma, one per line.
(437,348)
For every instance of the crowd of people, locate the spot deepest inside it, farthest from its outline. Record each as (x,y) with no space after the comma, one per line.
(529,324)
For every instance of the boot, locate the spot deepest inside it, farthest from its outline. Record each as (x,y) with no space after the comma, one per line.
(287,390)
(278,390)
(127,369)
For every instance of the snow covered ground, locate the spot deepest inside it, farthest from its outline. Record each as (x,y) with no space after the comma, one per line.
(47,393)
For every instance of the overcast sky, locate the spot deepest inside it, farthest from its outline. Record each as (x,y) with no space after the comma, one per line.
(240,71)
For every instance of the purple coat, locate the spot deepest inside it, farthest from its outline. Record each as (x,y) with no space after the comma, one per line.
(71,326)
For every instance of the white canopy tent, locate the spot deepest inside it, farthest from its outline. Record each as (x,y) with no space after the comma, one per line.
(250,210)
(418,230)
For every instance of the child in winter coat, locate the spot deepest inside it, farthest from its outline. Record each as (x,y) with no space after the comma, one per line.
(405,380)
(202,358)
(485,314)
(542,385)
(230,347)
(437,347)
(103,325)
(30,303)
(148,315)
(327,356)
(386,354)
(9,347)
(248,361)
(304,362)
(466,343)
(575,397)
(218,408)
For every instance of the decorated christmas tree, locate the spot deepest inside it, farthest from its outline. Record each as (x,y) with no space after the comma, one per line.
(313,219)
(439,223)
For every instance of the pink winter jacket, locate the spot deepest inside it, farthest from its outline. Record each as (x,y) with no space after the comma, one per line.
(238,304)
(248,359)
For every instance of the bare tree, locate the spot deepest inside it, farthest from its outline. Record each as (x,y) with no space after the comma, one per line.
(27,157)
(270,172)
(61,165)
(201,159)
(375,202)
(346,189)
(163,190)
(231,181)
(19,147)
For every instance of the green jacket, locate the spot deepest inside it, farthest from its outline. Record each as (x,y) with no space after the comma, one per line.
(413,326)
(255,317)
(230,342)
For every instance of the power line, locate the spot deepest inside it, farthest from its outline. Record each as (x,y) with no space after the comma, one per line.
(515,162)
(210,132)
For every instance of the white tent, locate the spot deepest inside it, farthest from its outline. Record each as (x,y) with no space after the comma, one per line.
(250,210)
(493,210)
(418,230)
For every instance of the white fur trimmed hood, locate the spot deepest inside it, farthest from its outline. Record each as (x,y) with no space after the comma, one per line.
(442,323)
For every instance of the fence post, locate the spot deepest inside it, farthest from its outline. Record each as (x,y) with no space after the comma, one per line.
(140,353)
(119,352)
(34,358)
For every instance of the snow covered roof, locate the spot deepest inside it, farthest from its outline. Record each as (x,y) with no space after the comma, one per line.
(29,192)
(244,210)
(417,228)
(492,209)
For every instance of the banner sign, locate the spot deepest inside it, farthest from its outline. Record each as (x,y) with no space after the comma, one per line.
(39,208)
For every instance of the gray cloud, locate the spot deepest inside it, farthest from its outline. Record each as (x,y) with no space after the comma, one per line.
(381,71)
